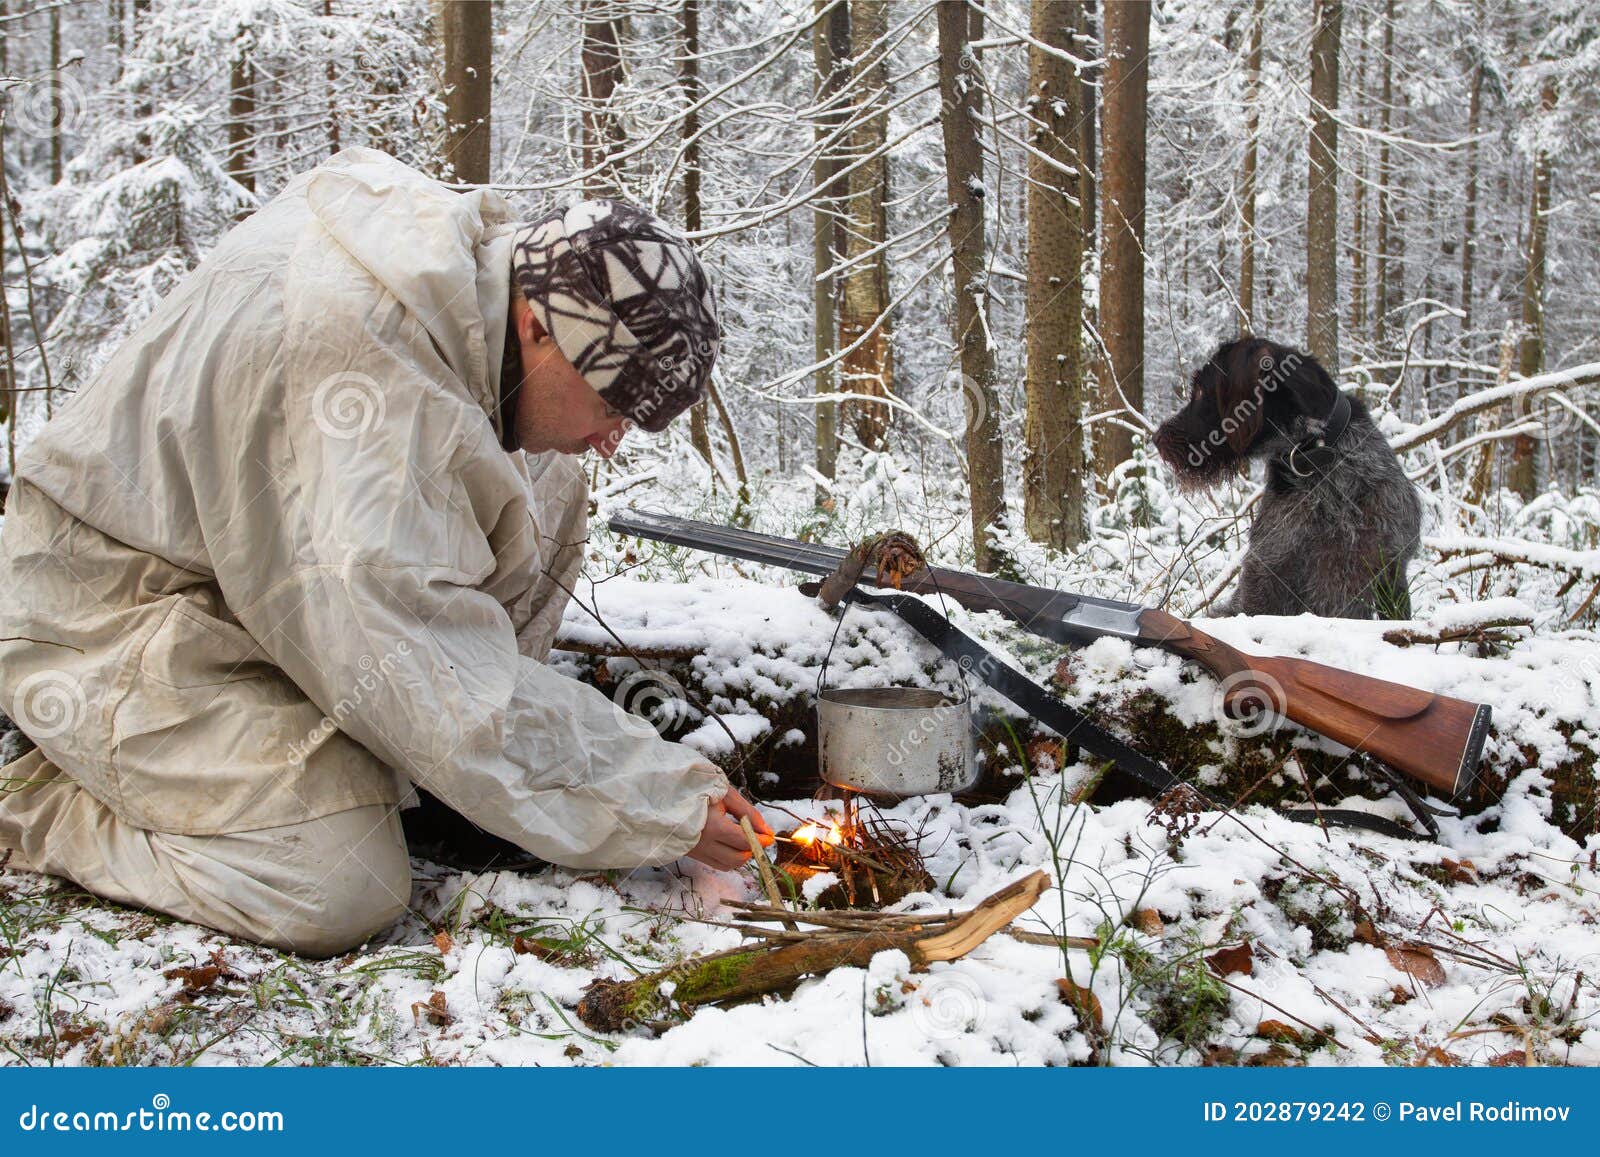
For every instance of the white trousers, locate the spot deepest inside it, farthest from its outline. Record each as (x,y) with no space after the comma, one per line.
(319,887)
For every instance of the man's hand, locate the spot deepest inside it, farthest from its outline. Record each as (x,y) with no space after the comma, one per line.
(722,844)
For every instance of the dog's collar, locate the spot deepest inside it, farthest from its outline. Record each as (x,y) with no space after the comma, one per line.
(1315,455)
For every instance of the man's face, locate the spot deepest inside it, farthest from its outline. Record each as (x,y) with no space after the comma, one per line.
(556,408)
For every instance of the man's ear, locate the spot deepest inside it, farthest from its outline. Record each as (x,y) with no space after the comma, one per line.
(529,331)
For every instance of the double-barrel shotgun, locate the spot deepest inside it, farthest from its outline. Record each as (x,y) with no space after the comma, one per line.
(1434,739)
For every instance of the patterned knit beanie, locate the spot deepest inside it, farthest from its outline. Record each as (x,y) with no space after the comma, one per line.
(625,299)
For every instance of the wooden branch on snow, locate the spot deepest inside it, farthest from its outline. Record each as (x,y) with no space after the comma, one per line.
(756,969)
(1584,563)
(622,651)
(1556,380)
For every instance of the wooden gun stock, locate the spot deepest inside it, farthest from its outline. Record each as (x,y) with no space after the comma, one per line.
(1432,738)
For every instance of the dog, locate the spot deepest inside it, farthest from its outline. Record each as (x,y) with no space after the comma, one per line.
(1339,522)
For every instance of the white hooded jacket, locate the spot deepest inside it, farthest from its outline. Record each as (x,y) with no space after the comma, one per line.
(272,562)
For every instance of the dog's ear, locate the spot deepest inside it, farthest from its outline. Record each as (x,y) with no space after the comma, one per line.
(1240,398)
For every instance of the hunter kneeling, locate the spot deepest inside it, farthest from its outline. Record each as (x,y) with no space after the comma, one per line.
(303,544)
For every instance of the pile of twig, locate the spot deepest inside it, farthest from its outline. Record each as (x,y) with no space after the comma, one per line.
(877,862)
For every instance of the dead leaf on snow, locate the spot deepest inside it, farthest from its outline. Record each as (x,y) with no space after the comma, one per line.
(1514,1058)
(442,941)
(1085,1003)
(1276,1057)
(1226,961)
(1438,1056)
(522,946)
(433,1008)
(1277,1030)
(1418,962)
(1459,871)
(1148,921)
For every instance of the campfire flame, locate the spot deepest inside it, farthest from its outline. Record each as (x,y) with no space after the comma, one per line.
(812,832)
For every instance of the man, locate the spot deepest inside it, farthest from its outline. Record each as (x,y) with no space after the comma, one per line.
(282,560)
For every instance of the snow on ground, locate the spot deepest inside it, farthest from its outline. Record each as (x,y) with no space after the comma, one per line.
(1372,950)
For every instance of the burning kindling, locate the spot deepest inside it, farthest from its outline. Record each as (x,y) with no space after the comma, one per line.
(876,862)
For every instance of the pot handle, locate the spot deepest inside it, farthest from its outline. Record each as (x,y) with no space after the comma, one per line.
(811,589)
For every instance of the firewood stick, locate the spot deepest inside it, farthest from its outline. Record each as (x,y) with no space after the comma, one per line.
(764,869)
(756,969)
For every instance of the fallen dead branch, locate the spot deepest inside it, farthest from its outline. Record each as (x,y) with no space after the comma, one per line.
(783,958)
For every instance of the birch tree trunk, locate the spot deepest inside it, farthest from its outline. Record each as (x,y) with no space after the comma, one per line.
(1126,32)
(466,34)
(869,368)
(830,51)
(1322,197)
(960,95)
(1053,468)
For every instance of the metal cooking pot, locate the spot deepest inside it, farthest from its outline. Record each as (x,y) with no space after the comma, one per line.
(895,742)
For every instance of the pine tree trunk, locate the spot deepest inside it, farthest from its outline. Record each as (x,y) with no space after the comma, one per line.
(1247,193)
(602,72)
(241,115)
(1357,248)
(1086,47)
(869,368)
(334,133)
(1383,208)
(960,95)
(689,81)
(1469,223)
(55,93)
(1322,198)
(1522,474)
(1053,469)
(1126,32)
(467,34)
(830,51)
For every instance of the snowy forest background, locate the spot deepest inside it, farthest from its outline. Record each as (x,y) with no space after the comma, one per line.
(967,257)
(1164,183)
